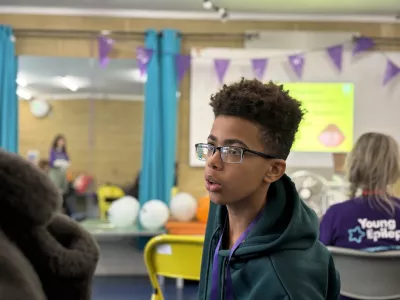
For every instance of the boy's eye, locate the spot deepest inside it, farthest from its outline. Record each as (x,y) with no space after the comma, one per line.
(233,151)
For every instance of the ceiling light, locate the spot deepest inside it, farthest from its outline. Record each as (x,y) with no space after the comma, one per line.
(23,94)
(223,13)
(69,84)
(224,16)
(21,81)
(207,4)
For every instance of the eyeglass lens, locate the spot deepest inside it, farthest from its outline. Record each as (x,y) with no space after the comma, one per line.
(228,154)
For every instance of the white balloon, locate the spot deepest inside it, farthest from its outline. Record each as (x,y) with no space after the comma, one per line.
(183,207)
(154,214)
(124,211)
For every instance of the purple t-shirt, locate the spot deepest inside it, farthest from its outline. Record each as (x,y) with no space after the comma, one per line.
(54,155)
(362,225)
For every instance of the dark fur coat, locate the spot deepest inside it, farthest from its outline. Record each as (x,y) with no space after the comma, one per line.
(44,255)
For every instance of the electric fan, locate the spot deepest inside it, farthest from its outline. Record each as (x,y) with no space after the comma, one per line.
(338,190)
(312,189)
(318,192)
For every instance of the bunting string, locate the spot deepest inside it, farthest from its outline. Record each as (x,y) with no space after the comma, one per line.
(259,65)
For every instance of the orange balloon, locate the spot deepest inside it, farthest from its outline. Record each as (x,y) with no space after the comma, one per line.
(203,208)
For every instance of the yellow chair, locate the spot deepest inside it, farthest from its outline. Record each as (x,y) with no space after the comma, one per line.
(174,191)
(106,194)
(174,256)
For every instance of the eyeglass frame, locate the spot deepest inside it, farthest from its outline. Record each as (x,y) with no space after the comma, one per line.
(244,150)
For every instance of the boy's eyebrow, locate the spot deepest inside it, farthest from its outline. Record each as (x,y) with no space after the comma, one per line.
(212,137)
(228,142)
(234,141)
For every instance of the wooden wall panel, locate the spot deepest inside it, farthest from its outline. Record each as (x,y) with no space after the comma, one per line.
(118,140)
(191,179)
(69,118)
(114,156)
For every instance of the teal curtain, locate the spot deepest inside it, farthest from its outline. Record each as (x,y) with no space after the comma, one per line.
(170,48)
(151,185)
(8,91)
(160,117)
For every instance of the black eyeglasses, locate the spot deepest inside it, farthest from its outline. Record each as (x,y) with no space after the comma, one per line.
(229,154)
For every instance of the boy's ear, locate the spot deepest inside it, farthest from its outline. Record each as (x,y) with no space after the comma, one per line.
(277,168)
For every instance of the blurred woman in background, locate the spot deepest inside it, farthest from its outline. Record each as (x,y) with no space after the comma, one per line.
(58,152)
(370,222)
(59,163)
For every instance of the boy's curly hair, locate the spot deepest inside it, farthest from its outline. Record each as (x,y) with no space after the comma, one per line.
(277,114)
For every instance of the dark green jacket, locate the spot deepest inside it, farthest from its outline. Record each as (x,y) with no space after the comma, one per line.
(281,259)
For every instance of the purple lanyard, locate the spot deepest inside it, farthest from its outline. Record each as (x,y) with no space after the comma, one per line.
(228,279)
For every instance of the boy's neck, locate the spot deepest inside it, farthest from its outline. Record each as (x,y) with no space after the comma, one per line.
(241,214)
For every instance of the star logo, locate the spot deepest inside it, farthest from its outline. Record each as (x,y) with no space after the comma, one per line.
(356,235)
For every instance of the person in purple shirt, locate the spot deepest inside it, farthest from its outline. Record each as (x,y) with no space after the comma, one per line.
(59,163)
(58,152)
(371,221)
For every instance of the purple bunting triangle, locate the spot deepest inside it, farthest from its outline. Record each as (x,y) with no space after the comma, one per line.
(105,45)
(297,64)
(392,70)
(221,66)
(362,44)
(143,57)
(182,65)
(336,55)
(259,66)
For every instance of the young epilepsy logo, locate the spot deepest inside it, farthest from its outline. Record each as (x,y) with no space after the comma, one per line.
(374,230)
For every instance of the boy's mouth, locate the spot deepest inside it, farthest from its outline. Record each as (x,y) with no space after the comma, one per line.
(212,185)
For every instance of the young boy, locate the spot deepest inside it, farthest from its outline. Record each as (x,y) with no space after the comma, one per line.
(44,165)
(261,240)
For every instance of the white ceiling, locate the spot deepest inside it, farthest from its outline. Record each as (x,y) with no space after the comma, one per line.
(340,7)
(42,76)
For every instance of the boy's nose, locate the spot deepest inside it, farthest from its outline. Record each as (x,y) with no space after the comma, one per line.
(214,161)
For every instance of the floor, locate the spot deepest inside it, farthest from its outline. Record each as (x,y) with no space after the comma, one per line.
(138,288)
(120,257)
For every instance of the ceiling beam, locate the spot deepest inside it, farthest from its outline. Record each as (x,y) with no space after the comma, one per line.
(200,15)
(85,34)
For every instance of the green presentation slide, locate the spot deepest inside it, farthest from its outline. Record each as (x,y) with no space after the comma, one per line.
(328,123)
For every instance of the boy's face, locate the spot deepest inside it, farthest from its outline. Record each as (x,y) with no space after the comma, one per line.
(248,179)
